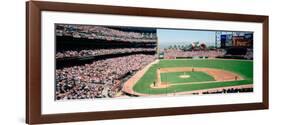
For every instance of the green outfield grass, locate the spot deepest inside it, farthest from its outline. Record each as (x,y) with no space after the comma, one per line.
(241,67)
(174,77)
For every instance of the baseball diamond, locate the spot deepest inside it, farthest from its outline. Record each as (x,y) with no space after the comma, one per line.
(185,77)
(206,74)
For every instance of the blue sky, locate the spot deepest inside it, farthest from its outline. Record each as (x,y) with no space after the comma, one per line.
(168,37)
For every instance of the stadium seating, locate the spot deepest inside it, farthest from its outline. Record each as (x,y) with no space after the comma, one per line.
(101,76)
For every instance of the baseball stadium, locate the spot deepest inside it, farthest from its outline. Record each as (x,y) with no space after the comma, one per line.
(120,62)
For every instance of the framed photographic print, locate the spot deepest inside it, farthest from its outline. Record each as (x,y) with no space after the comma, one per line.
(94,62)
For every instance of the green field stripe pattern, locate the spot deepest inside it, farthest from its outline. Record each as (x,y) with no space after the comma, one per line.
(241,67)
(174,77)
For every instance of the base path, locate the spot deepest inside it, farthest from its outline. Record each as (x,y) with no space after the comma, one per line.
(218,74)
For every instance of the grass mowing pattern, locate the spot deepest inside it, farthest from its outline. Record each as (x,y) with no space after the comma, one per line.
(174,77)
(241,67)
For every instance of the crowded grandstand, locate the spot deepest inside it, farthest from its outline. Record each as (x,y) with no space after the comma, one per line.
(95,61)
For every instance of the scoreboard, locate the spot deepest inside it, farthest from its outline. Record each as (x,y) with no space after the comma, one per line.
(236,39)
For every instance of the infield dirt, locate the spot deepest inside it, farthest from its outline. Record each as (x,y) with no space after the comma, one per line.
(218,74)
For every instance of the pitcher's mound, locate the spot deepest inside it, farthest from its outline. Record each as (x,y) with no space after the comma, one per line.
(184,76)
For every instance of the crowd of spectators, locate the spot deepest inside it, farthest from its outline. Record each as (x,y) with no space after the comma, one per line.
(98,52)
(103,33)
(249,54)
(177,53)
(102,78)
(239,53)
(230,90)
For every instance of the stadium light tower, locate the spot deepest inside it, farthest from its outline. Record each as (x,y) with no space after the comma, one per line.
(157,49)
(218,39)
